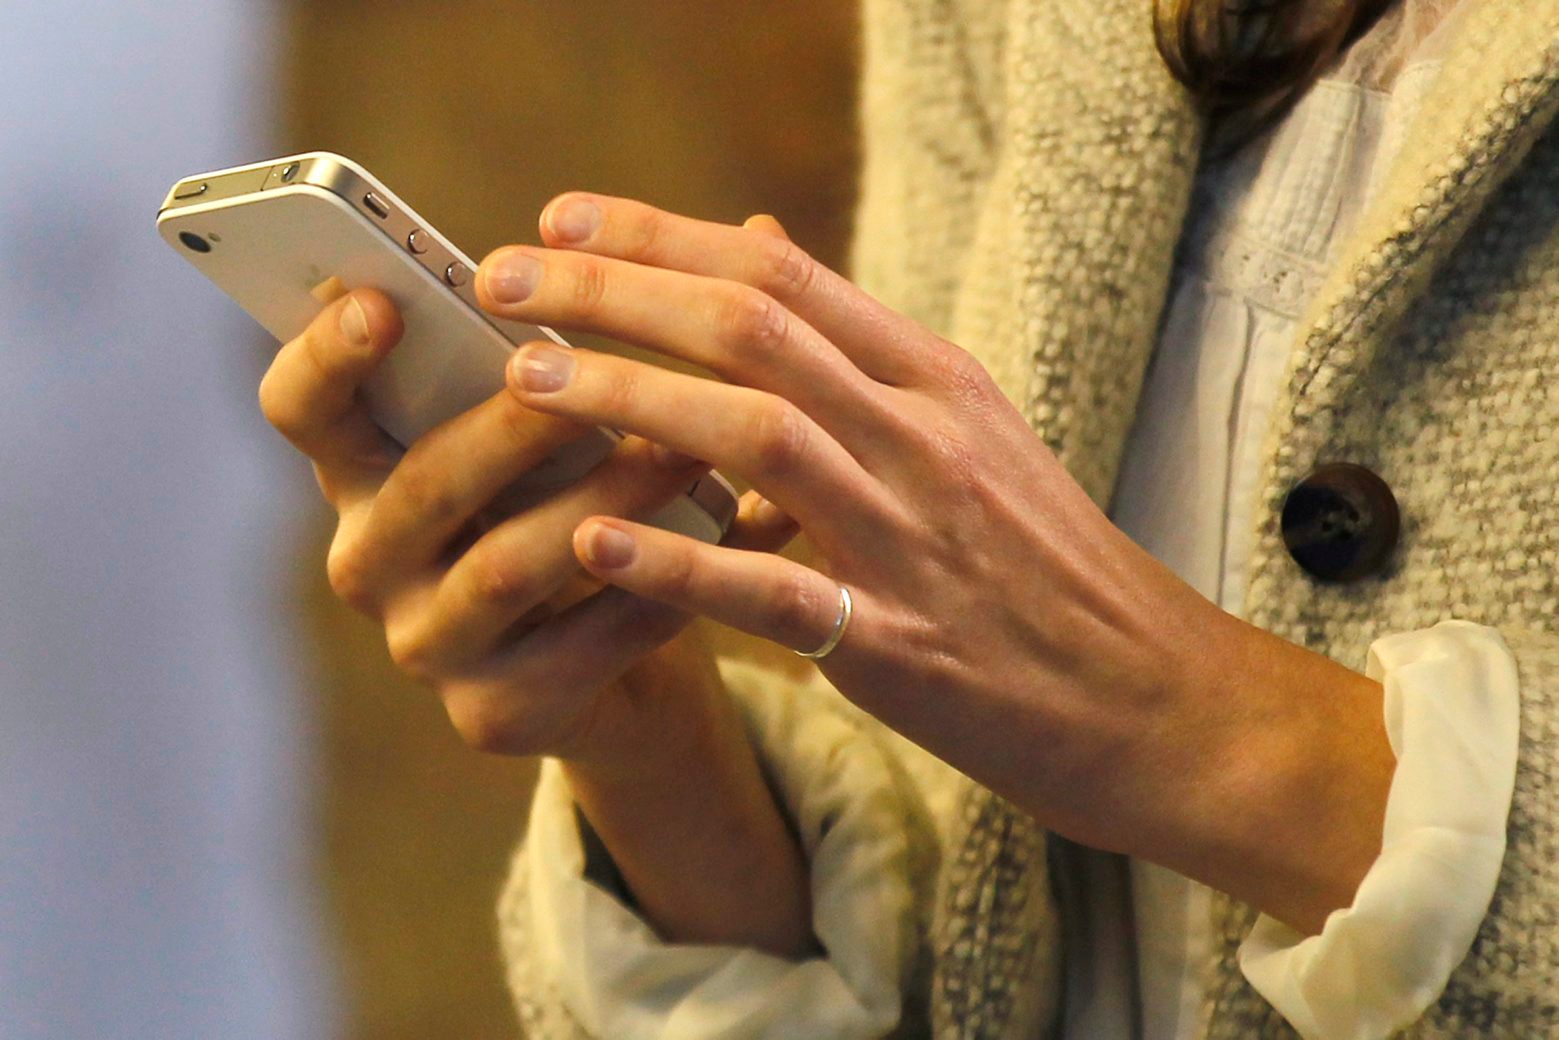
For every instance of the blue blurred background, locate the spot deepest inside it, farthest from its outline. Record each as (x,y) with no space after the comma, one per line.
(154,744)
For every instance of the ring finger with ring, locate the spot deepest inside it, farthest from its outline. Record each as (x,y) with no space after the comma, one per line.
(759,593)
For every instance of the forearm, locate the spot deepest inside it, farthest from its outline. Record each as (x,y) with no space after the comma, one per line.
(1223,752)
(690,821)
(1292,820)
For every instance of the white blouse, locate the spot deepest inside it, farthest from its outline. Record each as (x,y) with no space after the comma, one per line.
(1264,224)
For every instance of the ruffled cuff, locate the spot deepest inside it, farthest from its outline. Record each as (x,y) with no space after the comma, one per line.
(1452,707)
(619,980)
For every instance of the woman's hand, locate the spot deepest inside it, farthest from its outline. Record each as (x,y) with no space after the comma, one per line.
(464,601)
(999,619)
(527,655)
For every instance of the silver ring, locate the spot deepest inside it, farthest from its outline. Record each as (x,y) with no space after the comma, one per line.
(845,609)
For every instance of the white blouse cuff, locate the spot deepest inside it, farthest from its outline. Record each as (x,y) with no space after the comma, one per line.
(620,980)
(1452,707)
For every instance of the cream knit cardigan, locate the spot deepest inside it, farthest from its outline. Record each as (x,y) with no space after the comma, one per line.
(1028,168)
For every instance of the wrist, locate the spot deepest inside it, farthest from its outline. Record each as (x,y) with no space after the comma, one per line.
(1287,811)
(677,797)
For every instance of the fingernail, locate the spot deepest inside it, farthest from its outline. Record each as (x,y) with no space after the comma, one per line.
(609,548)
(354,322)
(513,277)
(574,220)
(670,457)
(543,369)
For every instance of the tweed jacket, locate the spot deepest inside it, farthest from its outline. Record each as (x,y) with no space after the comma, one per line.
(1028,171)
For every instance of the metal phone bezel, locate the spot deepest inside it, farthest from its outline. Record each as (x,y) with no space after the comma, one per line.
(353,185)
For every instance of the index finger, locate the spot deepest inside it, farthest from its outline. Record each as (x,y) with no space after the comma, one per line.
(879,341)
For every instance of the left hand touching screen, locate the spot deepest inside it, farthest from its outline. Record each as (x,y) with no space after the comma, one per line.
(997,617)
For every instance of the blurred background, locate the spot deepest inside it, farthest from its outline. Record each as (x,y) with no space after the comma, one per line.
(221,812)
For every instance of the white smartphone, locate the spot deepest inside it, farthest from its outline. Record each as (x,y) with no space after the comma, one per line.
(273,235)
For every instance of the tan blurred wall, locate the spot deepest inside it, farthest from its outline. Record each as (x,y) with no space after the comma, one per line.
(476,114)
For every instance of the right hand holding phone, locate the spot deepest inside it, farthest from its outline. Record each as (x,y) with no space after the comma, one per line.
(524,649)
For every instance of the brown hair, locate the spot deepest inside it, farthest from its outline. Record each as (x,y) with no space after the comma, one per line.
(1247,61)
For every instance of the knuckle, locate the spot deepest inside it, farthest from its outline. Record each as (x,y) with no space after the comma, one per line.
(412,650)
(960,375)
(957,461)
(751,320)
(795,607)
(350,577)
(946,440)
(678,578)
(589,283)
(496,581)
(618,390)
(279,407)
(646,231)
(426,491)
(780,436)
(788,270)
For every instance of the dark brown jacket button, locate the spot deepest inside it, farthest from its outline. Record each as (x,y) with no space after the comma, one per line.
(1341,523)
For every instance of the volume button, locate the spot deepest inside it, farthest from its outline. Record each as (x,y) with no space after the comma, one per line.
(457,274)
(417,241)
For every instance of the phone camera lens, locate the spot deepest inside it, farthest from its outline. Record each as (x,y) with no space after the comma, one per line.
(194,242)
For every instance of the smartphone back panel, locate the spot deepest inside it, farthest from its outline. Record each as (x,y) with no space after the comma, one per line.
(271,237)
(271,250)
